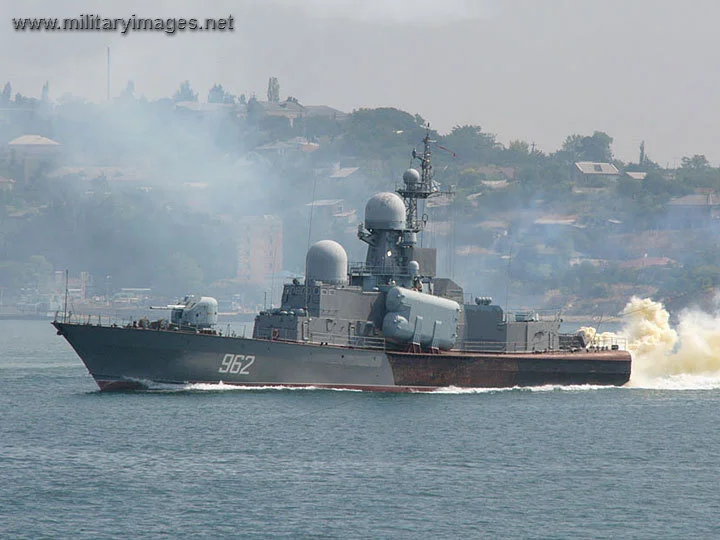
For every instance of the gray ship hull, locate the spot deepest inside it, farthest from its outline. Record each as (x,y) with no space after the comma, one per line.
(122,358)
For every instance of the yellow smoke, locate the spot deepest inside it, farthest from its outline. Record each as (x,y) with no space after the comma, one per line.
(660,351)
(603,339)
(651,340)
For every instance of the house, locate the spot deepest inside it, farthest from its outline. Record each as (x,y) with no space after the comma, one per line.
(645,262)
(26,214)
(207,110)
(35,146)
(597,263)
(6,184)
(259,249)
(102,177)
(339,173)
(283,148)
(636,175)
(292,109)
(555,221)
(323,111)
(693,211)
(588,170)
(31,151)
(326,208)
(473,198)
(588,191)
(88,173)
(495,173)
(495,184)
(332,217)
(496,226)
(289,109)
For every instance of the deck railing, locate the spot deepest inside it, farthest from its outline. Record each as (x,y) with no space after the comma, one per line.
(97,319)
(145,323)
(601,342)
(617,343)
(489,346)
(344,340)
(604,341)
(360,268)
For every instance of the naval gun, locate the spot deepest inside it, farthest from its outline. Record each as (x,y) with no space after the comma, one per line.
(196,312)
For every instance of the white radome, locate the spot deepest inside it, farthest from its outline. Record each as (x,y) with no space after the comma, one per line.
(385,211)
(326,261)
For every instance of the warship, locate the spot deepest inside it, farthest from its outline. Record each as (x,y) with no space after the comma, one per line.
(385,324)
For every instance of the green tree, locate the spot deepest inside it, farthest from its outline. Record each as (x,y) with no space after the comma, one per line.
(470,143)
(22,101)
(273,91)
(39,268)
(627,187)
(696,171)
(217,94)
(6,95)
(255,111)
(320,126)
(129,92)
(656,184)
(185,93)
(383,133)
(698,162)
(469,178)
(519,148)
(13,274)
(518,153)
(593,148)
(597,147)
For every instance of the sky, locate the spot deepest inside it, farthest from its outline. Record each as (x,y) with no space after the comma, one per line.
(531,70)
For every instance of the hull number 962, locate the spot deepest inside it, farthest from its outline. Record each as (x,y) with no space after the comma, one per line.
(237,364)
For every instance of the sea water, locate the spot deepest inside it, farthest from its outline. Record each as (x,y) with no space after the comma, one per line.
(209,461)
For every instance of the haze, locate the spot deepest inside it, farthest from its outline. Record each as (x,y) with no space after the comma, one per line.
(536,71)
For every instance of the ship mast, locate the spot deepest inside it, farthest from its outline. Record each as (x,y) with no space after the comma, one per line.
(418,186)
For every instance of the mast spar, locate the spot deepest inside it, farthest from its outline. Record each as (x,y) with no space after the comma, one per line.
(418,186)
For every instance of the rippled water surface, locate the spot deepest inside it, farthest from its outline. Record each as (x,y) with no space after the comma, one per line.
(208,461)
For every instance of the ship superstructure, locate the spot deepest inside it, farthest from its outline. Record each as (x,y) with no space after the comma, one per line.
(393,294)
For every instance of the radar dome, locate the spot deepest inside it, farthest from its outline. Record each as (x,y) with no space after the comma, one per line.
(326,261)
(411,177)
(385,211)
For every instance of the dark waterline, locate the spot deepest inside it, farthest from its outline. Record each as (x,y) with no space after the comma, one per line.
(562,463)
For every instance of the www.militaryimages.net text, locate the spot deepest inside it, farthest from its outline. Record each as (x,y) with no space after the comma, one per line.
(97,23)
